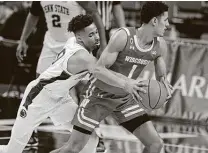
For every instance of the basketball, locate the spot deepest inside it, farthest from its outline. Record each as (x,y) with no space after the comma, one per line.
(155,96)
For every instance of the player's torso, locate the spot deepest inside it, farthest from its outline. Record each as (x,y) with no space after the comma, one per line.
(58,14)
(132,60)
(57,79)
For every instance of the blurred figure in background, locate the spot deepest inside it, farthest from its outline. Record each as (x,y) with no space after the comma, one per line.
(5,12)
(106,9)
(17,18)
(57,15)
(7,8)
(8,31)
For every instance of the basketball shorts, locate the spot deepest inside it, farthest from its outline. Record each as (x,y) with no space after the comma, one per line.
(33,111)
(94,109)
(49,52)
(60,109)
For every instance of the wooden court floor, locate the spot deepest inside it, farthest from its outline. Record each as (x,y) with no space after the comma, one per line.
(178,138)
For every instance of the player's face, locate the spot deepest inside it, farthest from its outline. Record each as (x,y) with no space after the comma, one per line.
(90,37)
(162,24)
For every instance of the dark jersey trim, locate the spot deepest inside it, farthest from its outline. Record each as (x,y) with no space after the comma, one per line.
(37,89)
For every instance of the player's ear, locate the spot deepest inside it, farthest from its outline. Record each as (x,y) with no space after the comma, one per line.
(78,37)
(154,21)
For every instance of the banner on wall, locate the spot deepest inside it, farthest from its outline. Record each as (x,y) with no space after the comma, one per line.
(187,65)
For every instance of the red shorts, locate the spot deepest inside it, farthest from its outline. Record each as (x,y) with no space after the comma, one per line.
(98,106)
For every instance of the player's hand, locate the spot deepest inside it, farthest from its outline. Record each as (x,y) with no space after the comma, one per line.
(133,87)
(21,51)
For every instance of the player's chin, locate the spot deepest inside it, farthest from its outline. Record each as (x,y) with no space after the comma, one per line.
(97,46)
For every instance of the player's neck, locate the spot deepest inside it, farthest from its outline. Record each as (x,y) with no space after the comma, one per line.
(82,44)
(145,35)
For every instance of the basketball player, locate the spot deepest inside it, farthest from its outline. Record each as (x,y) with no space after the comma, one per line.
(57,14)
(116,89)
(46,96)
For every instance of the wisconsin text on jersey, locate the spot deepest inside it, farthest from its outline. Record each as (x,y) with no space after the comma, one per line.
(137,60)
(56,8)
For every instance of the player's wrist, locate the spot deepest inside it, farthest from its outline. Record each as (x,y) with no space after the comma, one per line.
(22,40)
(125,86)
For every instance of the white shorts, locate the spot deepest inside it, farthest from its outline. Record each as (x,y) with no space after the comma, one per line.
(36,109)
(61,110)
(49,52)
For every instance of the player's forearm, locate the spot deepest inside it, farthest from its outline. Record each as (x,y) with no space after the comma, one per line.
(110,78)
(158,73)
(119,75)
(30,24)
(119,16)
(160,69)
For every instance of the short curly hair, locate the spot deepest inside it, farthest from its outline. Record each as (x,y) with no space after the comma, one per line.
(152,9)
(79,22)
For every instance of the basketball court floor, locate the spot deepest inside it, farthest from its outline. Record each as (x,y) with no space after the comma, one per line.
(178,138)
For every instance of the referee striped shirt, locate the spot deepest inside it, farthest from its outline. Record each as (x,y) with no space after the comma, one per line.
(105,10)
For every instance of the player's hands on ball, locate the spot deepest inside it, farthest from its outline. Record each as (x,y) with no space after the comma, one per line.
(21,51)
(133,87)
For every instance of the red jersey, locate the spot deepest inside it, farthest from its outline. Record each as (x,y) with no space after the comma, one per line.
(131,60)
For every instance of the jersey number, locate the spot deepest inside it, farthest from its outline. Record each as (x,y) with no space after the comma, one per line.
(56,21)
(132,71)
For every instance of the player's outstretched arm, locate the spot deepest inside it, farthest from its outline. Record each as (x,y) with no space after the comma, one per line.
(160,67)
(84,61)
(30,24)
(81,61)
(91,8)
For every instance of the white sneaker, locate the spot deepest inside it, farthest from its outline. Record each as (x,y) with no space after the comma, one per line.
(3,148)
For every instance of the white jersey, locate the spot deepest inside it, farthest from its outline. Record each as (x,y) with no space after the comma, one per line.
(58,14)
(57,79)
